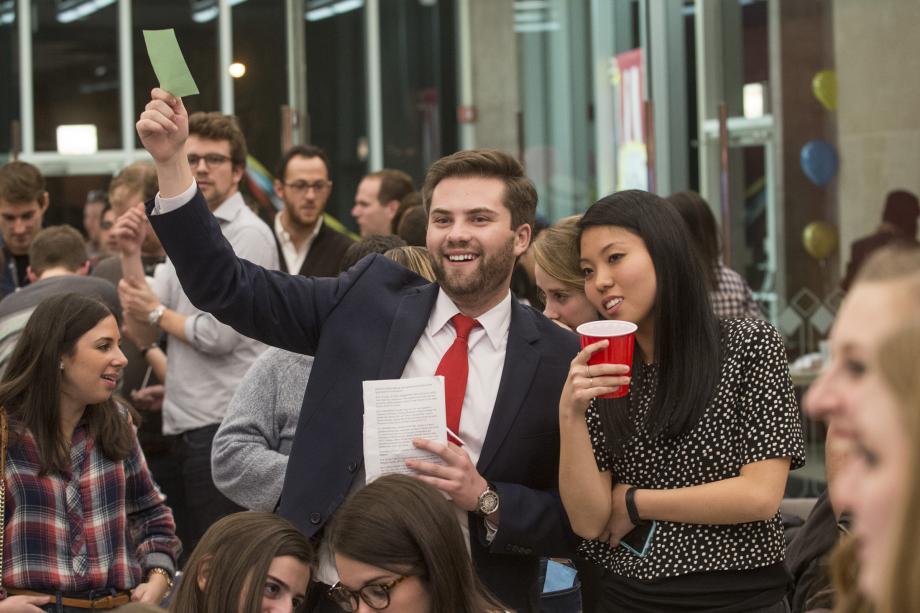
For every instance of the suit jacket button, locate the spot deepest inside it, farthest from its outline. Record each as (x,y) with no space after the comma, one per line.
(315,518)
(353,467)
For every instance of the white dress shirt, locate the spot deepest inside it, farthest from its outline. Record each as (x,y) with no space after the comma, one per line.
(294,257)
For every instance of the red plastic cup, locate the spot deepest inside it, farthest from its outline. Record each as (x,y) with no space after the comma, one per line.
(622,337)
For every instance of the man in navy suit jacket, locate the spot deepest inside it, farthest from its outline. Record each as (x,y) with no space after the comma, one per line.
(381,321)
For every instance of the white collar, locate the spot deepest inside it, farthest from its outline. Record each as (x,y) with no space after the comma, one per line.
(496,321)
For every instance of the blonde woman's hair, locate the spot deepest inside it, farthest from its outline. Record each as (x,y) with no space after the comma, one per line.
(893,263)
(556,251)
(414,258)
(898,357)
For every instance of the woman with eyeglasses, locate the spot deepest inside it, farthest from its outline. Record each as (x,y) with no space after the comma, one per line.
(250,562)
(398,547)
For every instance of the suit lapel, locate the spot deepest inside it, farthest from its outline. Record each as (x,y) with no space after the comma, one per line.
(408,324)
(521,361)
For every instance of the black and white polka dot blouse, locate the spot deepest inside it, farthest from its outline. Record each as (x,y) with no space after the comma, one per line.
(753,416)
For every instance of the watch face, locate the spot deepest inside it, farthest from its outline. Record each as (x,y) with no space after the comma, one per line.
(488,502)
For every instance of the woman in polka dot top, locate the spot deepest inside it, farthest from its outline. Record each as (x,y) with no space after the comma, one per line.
(697,454)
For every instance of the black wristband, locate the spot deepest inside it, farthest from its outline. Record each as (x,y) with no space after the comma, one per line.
(631,509)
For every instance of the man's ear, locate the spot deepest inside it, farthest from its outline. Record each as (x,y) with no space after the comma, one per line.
(30,274)
(392,206)
(279,188)
(522,238)
(44,201)
(84,270)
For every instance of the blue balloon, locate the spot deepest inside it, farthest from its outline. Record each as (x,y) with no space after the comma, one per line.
(819,162)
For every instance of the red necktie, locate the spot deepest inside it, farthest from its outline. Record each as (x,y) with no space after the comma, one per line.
(455,367)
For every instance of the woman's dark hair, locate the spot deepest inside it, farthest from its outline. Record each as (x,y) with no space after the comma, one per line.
(233,557)
(704,232)
(407,527)
(30,389)
(687,346)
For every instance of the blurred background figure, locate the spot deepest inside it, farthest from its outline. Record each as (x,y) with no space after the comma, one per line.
(899,225)
(728,291)
(558,275)
(23,203)
(92,216)
(879,484)
(377,200)
(248,562)
(416,259)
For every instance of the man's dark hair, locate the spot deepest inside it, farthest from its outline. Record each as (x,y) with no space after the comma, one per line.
(520,196)
(217,126)
(21,182)
(901,211)
(137,177)
(303,151)
(57,246)
(413,227)
(394,185)
(368,245)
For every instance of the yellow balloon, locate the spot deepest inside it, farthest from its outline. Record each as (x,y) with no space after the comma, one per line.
(819,239)
(824,87)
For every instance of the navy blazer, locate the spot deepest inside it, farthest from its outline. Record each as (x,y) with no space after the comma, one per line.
(364,325)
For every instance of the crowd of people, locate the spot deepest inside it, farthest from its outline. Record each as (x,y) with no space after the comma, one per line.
(182,399)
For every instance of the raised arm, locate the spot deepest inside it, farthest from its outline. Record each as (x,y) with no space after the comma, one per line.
(272,307)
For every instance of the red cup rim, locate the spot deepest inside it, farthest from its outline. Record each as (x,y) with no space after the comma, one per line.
(605,328)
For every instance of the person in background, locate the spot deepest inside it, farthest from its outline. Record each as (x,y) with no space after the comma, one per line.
(416,259)
(247,562)
(878,562)
(728,291)
(207,359)
(523,282)
(58,266)
(702,443)
(559,277)
(413,226)
(899,226)
(23,203)
(306,245)
(108,244)
(92,217)
(84,519)
(396,549)
(377,200)
(375,243)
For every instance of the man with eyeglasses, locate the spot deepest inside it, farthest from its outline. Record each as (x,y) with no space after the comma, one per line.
(306,245)
(207,359)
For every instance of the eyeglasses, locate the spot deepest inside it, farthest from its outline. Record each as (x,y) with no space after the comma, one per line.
(375,595)
(211,160)
(302,187)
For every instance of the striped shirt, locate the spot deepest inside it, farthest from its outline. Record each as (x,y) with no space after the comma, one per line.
(101,525)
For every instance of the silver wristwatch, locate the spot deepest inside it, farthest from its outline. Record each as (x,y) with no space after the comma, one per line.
(154,316)
(488,502)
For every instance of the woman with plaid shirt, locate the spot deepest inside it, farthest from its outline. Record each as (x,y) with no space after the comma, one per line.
(85,527)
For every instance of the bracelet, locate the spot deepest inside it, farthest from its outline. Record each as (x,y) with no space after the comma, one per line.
(165,574)
(631,509)
(146,348)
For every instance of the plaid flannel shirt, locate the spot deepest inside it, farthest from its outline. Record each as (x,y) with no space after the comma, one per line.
(100,526)
(732,297)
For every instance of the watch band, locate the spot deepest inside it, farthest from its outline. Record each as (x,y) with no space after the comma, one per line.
(154,316)
(631,509)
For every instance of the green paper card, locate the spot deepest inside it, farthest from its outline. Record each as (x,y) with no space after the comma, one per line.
(168,63)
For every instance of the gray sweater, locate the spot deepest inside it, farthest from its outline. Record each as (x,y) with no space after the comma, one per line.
(250,450)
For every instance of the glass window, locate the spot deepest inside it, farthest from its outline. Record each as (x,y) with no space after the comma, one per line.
(419,83)
(336,94)
(75,70)
(262,89)
(555,84)
(195,22)
(9,73)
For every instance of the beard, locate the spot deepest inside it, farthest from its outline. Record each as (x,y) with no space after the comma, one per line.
(490,275)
